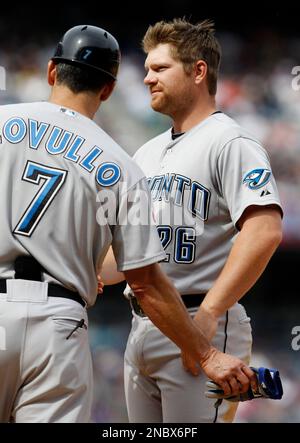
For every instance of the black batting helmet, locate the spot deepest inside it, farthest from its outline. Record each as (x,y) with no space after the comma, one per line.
(89,46)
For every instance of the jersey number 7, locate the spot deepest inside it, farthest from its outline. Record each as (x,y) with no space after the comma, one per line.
(53,179)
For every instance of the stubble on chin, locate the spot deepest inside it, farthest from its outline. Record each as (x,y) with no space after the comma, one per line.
(157,105)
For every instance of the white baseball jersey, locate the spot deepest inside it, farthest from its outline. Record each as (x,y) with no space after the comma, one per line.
(201,183)
(54,162)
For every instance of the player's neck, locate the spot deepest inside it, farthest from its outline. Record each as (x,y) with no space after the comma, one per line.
(85,104)
(194,115)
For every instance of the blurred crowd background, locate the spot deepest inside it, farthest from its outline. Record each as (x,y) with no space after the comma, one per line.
(259,87)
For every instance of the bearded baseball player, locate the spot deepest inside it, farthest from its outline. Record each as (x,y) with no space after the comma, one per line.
(219,218)
(60,175)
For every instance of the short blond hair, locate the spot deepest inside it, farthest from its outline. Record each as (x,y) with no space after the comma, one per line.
(189,43)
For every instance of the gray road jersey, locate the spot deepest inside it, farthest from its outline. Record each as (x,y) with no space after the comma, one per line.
(54,162)
(201,183)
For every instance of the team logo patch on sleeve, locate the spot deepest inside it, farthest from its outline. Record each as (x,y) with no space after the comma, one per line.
(257,178)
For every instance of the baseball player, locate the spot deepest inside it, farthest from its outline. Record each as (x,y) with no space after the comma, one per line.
(218,215)
(66,190)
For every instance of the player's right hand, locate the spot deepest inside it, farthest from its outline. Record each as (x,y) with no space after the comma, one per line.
(100,285)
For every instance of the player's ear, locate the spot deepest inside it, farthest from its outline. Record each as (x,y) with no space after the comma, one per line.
(200,71)
(51,72)
(107,90)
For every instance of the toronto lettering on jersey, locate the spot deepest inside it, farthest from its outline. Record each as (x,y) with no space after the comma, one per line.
(61,141)
(177,201)
(180,188)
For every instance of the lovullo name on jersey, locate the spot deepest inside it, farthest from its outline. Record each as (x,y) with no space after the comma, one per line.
(61,141)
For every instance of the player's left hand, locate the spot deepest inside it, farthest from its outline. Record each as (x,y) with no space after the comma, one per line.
(268,386)
(229,372)
(233,376)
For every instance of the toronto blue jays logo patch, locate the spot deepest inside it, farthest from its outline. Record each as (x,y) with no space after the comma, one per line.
(257,178)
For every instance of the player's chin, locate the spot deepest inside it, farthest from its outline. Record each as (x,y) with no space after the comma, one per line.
(157,105)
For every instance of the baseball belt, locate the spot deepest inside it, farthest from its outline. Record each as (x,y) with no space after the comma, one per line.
(53,291)
(189,300)
(27,268)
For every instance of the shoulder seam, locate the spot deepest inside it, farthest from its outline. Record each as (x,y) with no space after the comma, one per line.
(235,138)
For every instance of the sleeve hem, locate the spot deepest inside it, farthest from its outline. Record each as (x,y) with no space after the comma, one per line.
(141,263)
(236,217)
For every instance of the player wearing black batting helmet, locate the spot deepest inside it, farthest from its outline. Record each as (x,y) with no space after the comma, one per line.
(90,46)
